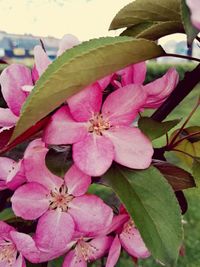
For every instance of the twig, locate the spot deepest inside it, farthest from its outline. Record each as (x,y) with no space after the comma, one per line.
(182,56)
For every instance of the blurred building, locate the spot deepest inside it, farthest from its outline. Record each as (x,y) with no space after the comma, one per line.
(20,47)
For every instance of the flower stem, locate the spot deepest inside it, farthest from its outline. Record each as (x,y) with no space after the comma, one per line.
(184,124)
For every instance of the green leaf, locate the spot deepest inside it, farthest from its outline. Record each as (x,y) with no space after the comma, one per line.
(153,30)
(59,160)
(196,170)
(154,129)
(7,214)
(190,30)
(79,67)
(178,178)
(141,11)
(151,203)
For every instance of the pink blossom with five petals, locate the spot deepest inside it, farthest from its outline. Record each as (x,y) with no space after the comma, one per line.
(102,133)
(62,206)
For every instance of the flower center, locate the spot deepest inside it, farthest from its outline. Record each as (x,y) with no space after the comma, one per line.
(98,124)
(7,252)
(59,199)
(128,227)
(85,250)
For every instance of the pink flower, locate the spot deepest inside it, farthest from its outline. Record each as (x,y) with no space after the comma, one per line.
(61,205)
(9,256)
(17,81)
(11,173)
(129,238)
(195,12)
(87,250)
(92,246)
(102,133)
(134,73)
(157,91)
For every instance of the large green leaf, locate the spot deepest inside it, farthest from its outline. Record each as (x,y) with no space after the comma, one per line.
(154,129)
(190,30)
(153,30)
(151,203)
(79,67)
(147,11)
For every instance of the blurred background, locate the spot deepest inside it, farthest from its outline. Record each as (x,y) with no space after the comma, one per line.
(26,23)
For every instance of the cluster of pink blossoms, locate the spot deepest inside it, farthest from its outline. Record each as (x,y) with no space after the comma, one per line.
(100,128)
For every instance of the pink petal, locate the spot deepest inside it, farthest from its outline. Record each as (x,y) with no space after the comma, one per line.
(42,60)
(68,41)
(6,165)
(114,253)
(90,214)
(104,82)
(27,246)
(87,102)
(12,79)
(73,260)
(77,182)
(5,230)
(16,175)
(20,262)
(158,90)
(35,167)
(62,129)
(133,243)
(132,148)
(99,247)
(30,201)
(135,73)
(7,118)
(194,8)
(93,155)
(122,106)
(54,231)
(116,225)
(35,75)
(11,173)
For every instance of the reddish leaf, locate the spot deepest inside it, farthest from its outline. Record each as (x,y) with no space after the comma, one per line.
(177,177)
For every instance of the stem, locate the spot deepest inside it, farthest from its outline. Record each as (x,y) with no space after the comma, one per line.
(183,88)
(186,137)
(184,124)
(182,56)
(167,139)
(198,38)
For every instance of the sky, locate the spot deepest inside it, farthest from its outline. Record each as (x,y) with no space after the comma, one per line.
(85,19)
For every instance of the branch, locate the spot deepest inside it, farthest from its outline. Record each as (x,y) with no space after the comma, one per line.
(182,56)
(183,88)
